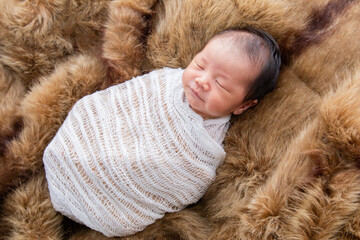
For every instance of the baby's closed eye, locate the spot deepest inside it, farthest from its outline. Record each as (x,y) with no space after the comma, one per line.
(198,66)
(220,85)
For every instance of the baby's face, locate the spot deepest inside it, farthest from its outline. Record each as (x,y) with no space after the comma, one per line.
(216,81)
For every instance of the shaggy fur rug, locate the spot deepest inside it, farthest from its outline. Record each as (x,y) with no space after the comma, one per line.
(292,169)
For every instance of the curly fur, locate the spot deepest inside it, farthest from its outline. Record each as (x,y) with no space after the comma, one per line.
(38,35)
(29,214)
(125,25)
(11,92)
(43,113)
(292,169)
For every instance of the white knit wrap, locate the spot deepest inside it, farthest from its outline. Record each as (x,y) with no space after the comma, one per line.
(128,154)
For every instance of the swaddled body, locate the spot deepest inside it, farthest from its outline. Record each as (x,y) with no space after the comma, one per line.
(128,154)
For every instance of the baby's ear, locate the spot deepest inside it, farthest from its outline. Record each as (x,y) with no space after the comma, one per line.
(244,106)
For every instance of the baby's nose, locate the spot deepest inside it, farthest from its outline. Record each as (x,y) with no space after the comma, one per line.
(203,83)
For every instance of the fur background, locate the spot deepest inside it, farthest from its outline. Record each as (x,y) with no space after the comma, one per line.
(292,169)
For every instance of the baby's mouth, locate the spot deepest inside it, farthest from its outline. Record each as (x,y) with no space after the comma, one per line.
(196,93)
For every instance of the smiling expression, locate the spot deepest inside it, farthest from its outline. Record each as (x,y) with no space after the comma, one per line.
(217,80)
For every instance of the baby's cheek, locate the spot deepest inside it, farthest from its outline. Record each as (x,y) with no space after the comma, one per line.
(224,104)
(187,76)
(216,106)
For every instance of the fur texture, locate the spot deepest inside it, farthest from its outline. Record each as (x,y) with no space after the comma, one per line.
(29,214)
(292,169)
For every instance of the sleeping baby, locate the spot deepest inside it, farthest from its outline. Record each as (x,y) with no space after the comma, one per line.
(127,155)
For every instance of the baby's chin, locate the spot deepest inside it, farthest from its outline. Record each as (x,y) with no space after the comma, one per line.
(200,113)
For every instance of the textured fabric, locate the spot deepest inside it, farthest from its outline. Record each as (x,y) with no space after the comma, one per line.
(128,154)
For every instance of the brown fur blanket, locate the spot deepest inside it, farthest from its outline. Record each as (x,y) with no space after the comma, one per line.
(292,169)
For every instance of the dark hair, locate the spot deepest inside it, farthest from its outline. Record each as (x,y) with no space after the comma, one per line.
(270,60)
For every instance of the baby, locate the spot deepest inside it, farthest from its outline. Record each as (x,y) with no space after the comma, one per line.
(127,155)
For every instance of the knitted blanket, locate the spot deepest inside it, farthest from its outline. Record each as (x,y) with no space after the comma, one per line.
(128,154)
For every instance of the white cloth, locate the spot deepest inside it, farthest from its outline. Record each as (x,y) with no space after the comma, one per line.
(128,154)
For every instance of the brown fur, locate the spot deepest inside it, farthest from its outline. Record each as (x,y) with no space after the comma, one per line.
(36,36)
(292,169)
(124,50)
(344,42)
(174,46)
(11,93)
(316,29)
(43,112)
(27,214)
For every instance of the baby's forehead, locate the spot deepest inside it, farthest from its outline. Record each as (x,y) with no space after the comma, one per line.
(241,41)
(223,44)
(226,43)
(238,38)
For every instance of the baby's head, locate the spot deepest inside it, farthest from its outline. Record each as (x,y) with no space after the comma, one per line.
(234,70)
